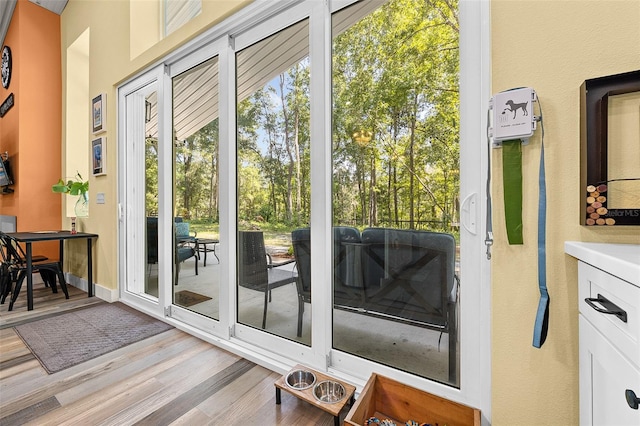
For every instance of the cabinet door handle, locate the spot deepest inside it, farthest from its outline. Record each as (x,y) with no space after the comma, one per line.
(608,307)
(632,399)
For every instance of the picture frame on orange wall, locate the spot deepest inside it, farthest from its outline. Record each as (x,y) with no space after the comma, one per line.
(99,113)
(99,156)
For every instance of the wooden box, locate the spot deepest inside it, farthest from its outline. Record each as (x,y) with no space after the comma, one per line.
(385,398)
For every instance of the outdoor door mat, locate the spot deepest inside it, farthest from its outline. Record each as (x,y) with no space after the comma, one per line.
(188,298)
(69,339)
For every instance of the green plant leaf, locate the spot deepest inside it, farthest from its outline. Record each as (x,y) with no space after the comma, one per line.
(72,187)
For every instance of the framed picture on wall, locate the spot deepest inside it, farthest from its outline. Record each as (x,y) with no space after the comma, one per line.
(99,156)
(99,113)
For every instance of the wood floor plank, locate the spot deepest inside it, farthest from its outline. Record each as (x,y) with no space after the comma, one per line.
(221,402)
(5,366)
(30,413)
(199,393)
(260,395)
(166,394)
(93,410)
(10,352)
(192,417)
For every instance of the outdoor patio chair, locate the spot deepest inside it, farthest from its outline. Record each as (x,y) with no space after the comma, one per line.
(183,232)
(409,275)
(183,251)
(343,261)
(256,270)
(14,270)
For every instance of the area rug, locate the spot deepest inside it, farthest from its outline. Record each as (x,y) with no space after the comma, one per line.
(188,298)
(69,339)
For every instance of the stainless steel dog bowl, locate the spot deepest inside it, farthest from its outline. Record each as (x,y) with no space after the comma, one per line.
(300,379)
(329,391)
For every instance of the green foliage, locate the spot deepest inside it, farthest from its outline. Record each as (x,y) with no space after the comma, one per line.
(395,75)
(75,186)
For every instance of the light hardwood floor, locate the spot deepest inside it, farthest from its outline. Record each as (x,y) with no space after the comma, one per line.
(169,379)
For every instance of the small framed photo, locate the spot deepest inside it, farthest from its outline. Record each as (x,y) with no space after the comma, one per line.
(99,113)
(99,156)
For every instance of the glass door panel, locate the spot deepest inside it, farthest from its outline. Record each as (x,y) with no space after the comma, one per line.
(396,186)
(273,163)
(196,236)
(140,144)
(151,193)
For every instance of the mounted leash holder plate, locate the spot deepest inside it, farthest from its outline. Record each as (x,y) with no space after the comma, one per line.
(513,125)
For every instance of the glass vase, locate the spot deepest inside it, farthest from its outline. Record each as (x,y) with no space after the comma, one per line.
(82,205)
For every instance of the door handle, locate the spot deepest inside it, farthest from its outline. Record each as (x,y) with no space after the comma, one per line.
(632,399)
(469,213)
(608,307)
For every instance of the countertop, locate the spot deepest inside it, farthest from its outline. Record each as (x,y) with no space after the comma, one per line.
(621,260)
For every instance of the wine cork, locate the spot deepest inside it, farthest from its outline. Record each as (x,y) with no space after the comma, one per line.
(591,222)
(602,188)
(610,221)
(594,215)
(591,188)
(590,209)
(602,211)
(594,194)
(590,200)
(601,199)
(596,205)
(600,221)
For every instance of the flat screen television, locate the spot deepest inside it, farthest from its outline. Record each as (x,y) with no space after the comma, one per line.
(5,173)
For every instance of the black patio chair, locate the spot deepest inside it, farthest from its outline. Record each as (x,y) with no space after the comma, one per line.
(256,270)
(343,261)
(409,276)
(183,250)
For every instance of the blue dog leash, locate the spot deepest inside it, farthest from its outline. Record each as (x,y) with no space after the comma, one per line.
(542,316)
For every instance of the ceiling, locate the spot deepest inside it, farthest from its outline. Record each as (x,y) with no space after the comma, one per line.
(8,6)
(55,6)
(195,91)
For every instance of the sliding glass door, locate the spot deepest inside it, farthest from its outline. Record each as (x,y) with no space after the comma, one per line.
(196,270)
(140,194)
(274,194)
(170,185)
(396,180)
(305,171)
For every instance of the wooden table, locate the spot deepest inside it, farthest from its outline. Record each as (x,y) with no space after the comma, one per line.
(307,394)
(36,236)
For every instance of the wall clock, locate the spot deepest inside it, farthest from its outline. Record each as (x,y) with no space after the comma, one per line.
(6,66)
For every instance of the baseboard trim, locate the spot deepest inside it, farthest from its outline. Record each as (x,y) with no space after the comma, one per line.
(101,292)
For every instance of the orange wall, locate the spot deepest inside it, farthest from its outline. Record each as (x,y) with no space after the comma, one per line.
(31,131)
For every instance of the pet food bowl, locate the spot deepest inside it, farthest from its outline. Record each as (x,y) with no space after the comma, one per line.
(329,391)
(300,379)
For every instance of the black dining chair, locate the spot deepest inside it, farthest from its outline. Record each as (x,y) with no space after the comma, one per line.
(8,275)
(256,270)
(16,267)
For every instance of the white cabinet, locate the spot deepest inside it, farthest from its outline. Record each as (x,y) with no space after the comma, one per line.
(609,324)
